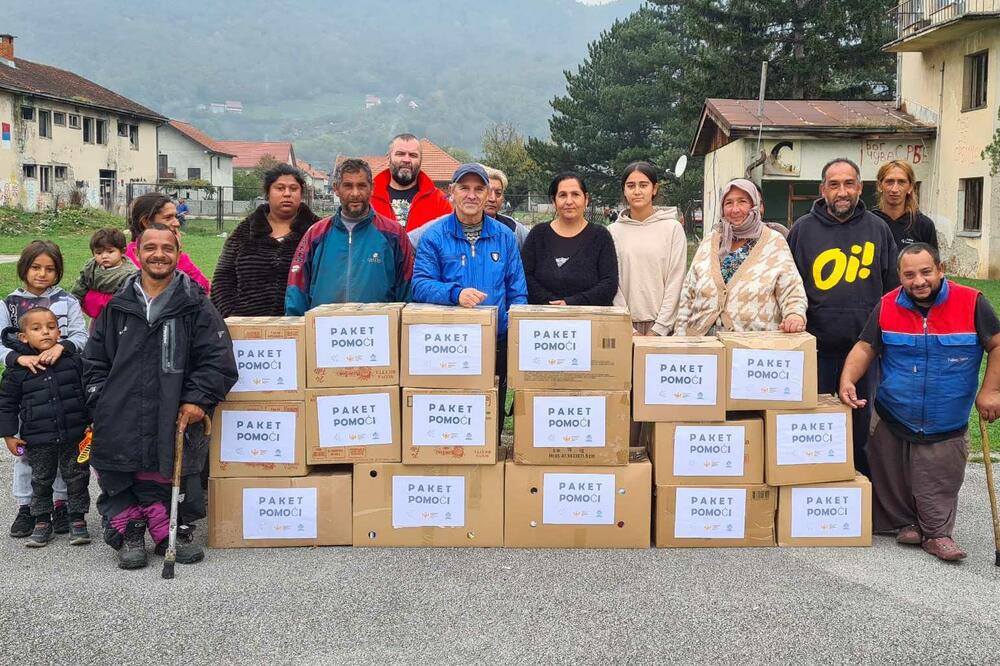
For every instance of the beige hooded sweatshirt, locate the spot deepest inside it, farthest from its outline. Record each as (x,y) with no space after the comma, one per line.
(652,257)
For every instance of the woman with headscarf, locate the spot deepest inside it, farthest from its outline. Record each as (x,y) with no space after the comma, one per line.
(742,277)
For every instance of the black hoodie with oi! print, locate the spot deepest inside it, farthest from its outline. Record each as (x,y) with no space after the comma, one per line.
(846,266)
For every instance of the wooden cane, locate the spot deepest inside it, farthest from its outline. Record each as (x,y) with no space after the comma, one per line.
(988,463)
(170,558)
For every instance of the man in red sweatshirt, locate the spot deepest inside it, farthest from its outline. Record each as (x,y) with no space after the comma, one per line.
(403,192)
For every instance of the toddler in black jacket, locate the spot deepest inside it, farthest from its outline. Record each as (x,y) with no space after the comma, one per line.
(43,415)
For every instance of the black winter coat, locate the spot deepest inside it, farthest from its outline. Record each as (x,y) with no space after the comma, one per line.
(138,373)
(252,273)
(51,404)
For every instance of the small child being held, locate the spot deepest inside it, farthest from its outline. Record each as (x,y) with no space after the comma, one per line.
(101,276)
(43,416)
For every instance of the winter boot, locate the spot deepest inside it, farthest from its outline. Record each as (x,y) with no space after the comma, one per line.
(24,523)
(60,519)
(132,554)
(188,552)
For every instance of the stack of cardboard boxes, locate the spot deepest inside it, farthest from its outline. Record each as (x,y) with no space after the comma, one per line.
(735,419)
(444,486)
(571,483)
(261,491)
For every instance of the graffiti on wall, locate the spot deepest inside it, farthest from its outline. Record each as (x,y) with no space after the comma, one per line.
(880,152)
(10,193)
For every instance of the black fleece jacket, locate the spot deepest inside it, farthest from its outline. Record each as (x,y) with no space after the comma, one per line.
(846,267)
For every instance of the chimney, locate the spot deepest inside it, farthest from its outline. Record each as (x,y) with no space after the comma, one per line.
(7,47)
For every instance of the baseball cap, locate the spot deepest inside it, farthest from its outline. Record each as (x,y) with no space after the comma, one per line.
(473,168)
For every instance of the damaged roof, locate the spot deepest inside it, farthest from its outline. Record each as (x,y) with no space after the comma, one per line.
(32,78)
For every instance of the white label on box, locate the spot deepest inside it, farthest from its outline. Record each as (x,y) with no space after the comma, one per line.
(811,439)
(762,374)
(354,420)
(449,420)
(826,512)
(553,345)
(578,499)
(352,342)
(279,513)
(258,437)
(578,421)
(710,513)
(266,365)
(446,349)
(682,379)
(428,501)
(709,450)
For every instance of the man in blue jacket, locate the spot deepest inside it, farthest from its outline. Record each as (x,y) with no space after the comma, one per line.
(929,336)
(356,256)
(467,258)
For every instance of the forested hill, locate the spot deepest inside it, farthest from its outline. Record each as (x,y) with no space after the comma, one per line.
(302,69)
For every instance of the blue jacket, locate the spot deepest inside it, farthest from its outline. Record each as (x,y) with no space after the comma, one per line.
(372,263)
(930,365)
(447,263)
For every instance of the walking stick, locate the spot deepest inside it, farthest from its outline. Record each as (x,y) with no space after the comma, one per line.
(988,463)
(175,492)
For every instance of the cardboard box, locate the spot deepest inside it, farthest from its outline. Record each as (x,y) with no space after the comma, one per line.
(312,510)
(826,514)
(254,439)
(695,454)
(448,347)
(353,345)
(569,347)
(428,506)
(809,445)
(770,370)
(449,427)
(352,425)
(679,379)
(715,516)
(270,358)
(571,427)
(578,507)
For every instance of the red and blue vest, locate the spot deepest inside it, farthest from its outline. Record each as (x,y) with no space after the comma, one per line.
(930,364)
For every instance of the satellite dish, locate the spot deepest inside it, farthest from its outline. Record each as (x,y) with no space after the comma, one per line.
(681,166)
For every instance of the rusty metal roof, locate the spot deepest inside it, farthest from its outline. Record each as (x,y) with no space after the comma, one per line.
(738,117)
(32,78)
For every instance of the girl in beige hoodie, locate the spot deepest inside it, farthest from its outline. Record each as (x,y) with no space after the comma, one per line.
(652,252)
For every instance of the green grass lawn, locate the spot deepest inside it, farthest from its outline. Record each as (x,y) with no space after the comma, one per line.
(990,289)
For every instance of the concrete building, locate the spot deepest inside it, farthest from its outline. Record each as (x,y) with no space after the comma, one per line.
(797,138)
(318,180)
(187,153)
(66,140)
(948,56)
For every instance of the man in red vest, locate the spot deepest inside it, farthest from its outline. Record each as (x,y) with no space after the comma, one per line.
(403,192)
(929,335)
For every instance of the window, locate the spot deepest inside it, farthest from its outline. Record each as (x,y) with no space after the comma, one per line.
(194,174)
(88,130)
(970,203)
(45,179)
(102,131)
(60,172)
(45,124)
(122,129)
(27,113)
(133,137)
(28,170)
(59,118)
(74,121)
(974,95)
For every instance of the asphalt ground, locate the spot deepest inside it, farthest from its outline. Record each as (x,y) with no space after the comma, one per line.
(885,604)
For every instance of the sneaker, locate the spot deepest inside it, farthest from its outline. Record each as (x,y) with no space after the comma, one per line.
(41,535)
(944,548)
(909,536)
(78,533)
(23,523)
(132,554)
(60,519)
